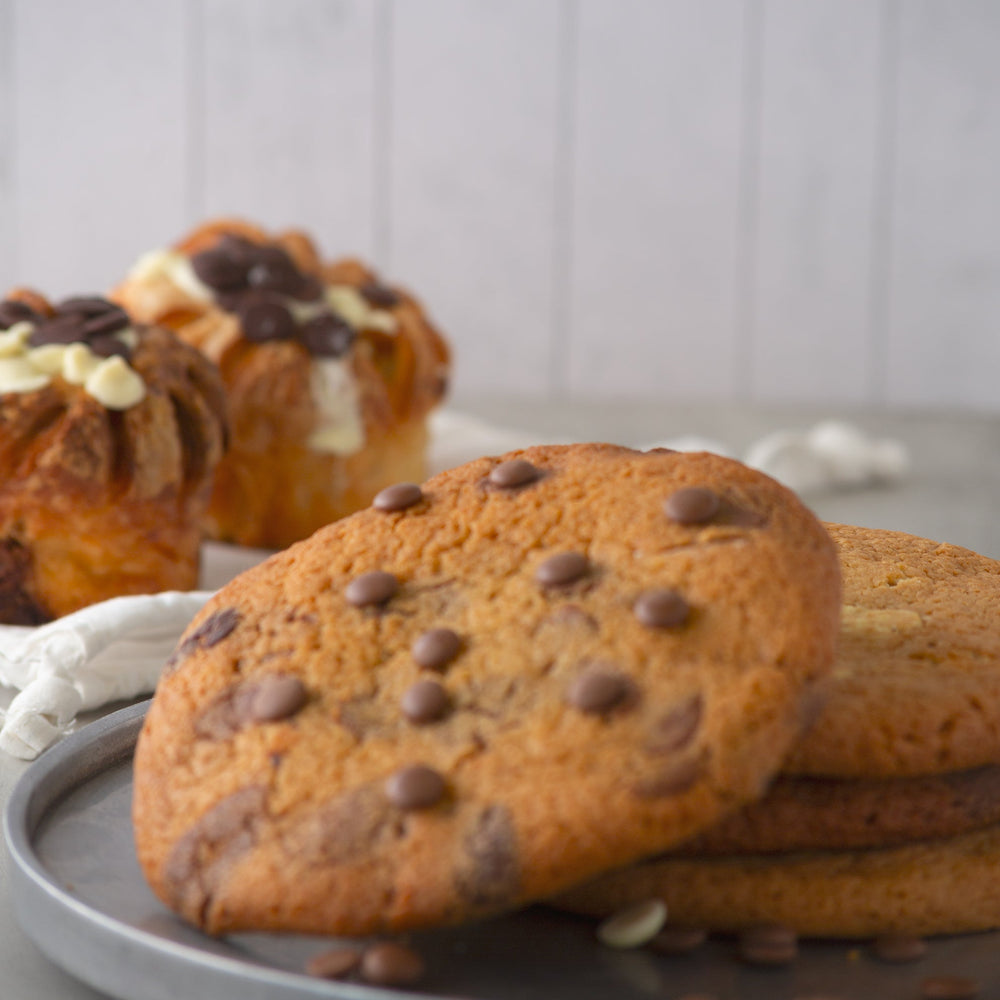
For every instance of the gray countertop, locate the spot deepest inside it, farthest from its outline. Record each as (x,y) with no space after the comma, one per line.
(951,494)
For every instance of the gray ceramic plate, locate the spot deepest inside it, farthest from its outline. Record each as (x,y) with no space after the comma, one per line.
(79,894)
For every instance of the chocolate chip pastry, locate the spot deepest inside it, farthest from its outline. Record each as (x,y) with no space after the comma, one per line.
(110,432)
(330,374)
(887,815)
(476,692)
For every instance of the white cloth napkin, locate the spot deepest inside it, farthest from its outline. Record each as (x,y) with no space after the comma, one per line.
(115,650)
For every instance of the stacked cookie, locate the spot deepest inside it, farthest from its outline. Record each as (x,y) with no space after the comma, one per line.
(478,693)
(886,815)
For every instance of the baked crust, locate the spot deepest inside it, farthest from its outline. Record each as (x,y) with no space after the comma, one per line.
(98,503)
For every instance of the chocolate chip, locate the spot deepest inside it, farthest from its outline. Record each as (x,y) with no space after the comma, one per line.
(326,336)
(335,963)
(425,701)
(110,346)
(399,496)
(375,587)
(487,871)
(596,690)
(223,268)
(378,295)
(677,940)
(513,473)
(415,787)
(677,777)
(215,628)
(677,727)
(562,569)
(768,944)
(264,319)
(13,311)
(106,323)
(86,305)
(661,608)
(899,948)
(391,964)
(277,697)
(692,505)
(273,270)
(310,288)
(59,330)
(436,648)
(949,988)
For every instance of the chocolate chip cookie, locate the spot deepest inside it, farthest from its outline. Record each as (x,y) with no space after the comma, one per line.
(478,692)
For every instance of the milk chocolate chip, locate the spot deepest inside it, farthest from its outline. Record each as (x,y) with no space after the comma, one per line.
(562,569)
(375,587)
(415,787)
(391,964)
(692,505)
(513,473)
(277,697)
(596,690)
(425,701)
(436,648)
(397,497)
(661,608)
(768,944)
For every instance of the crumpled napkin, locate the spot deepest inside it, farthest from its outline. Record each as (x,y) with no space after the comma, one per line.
(115,650)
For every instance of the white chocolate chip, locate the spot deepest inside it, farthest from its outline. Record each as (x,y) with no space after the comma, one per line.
(48,358)
(352,307)
(175,267)
(14,339)
(340,429)
(79,363)
(633,926)
(115,385)
(19,375)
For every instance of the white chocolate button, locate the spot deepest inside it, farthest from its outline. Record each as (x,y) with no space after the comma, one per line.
(633,926)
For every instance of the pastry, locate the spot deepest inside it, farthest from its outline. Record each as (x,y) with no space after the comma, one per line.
(477,692)
(330,374)
(109,435)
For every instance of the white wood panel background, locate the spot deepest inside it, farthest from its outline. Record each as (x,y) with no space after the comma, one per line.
(766,200)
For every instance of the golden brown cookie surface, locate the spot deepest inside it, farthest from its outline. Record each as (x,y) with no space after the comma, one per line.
(916,687)
(471,696)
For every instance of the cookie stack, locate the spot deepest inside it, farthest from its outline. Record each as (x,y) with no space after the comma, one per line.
(535,671)
(885,817)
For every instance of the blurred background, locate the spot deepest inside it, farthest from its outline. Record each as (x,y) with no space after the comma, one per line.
(736,201)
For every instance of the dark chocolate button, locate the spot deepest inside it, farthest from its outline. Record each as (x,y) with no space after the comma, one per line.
(108,346)
(86,305)
(327,336)
(105,323)
(309,289)
(692,505)
(273,270)
(391,964)
(397,497)
(221,268)
(661,609)
(335,963)
(376,587)
(562,569)
(949,988)
(678,940)
(58,330)
(263,319)
(768,944)
(597,689)
(513,473)
(215,628)
(12,311)
(425,701)
(378,295)
(415,787)
(436,648)
(899,948)
(277,697)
